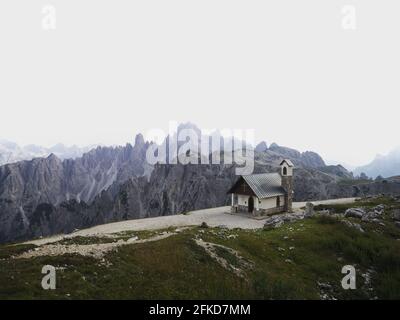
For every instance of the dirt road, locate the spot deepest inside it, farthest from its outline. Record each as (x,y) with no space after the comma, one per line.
(213,217)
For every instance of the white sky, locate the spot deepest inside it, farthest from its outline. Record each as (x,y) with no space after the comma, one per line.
(286,68)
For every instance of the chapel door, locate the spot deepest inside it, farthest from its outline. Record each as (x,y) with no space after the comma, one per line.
(251,204)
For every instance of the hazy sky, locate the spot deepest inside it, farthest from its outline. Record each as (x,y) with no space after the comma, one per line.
(288,69)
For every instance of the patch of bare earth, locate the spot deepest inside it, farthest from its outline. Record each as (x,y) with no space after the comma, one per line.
(97,250)
(212,250)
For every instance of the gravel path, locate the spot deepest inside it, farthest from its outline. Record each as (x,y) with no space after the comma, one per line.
(96,250)
(213,217)
(297,205)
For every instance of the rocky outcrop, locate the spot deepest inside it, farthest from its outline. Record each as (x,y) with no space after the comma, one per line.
(52,180)
(312,159)
(354,213)
(370,215)
(31,192)
(278,220)
(396,215)
(309,211)
(353,225)
(337,171)
(306,159)
(261,147)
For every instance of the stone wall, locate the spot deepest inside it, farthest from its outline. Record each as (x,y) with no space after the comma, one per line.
(287,184)
(257,213)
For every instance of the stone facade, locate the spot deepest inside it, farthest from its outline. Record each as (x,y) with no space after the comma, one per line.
(287,184)
(257,212)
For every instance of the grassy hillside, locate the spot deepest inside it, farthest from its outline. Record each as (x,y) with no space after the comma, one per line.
(301,260)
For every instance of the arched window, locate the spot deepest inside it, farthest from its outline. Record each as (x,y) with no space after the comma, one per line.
(284,170)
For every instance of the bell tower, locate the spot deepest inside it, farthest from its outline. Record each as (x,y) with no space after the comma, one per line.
(287,182)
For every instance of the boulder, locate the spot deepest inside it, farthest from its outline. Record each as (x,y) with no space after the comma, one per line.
(326,212)
(371,216)
(396,215)
(324,286)
(379,209)
(353,225)
(278,220)
(309,212)
(273,222)
(354,213)
(291,217)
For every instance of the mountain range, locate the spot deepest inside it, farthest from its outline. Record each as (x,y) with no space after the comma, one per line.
(48,195)
(385,166)
(11,152)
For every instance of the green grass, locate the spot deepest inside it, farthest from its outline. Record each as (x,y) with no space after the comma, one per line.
(6,251)
(287,263)
(87,240)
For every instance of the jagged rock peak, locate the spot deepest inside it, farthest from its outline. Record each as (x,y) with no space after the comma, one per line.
(53,157)
(273,145)
(139,140)
(261,147)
